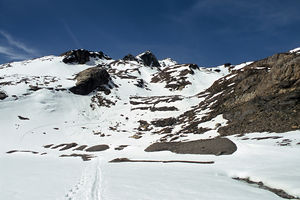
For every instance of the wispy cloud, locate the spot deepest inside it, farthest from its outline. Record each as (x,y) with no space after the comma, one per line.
(14,49)
(10,54)
(71,34)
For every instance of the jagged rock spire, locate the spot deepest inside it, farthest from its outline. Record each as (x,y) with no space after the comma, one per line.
(149,59)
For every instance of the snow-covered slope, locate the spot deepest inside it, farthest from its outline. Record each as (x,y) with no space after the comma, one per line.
(58,145)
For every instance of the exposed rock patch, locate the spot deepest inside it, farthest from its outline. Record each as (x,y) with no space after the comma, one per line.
(140,83)
(48,146)
(164,108)
(278,192)
(120,160)
(121,147)
(144,126)
(34,88)
(164,122)
(154,109)
(175,76)
(65,146)
(84,157)
(216,146)
(136,100)
(266,138)
(22,151)
(99,100)
(23,118)
(101,147)
(138,135)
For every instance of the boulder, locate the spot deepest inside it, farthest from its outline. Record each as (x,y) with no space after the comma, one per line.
(3,95)
(90,79)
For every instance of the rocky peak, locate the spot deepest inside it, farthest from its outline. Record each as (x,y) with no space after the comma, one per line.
(227,64)
(82,56)
(149,59)
(130,57)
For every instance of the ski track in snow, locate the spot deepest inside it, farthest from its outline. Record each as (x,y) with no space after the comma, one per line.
(89,185)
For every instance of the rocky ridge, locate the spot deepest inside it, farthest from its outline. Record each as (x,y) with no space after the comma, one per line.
(263,96)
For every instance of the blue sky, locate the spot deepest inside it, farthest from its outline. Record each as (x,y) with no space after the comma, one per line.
(206,32)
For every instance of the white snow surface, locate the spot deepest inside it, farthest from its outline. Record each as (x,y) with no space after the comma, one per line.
(167,62)
(296,50)
(58,117)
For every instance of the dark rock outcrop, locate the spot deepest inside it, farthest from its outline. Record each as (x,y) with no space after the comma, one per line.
(216,146)
(23,118)
(164,122)
(3,95)
(263,96)
(149,59)
(193,66)
(91,79)
(130,57)
(140,83)
(81,56)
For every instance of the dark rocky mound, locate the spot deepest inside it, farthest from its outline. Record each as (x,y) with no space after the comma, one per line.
(130,57)
(149,59)
(101,147)
(3,95)
(264,96)
(81,56)
(91,79)
(216,146)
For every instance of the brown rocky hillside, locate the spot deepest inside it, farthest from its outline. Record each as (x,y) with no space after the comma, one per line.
(263,96)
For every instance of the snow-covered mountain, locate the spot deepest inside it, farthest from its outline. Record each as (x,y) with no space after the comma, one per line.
(85,126)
